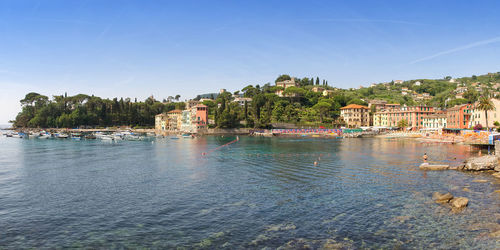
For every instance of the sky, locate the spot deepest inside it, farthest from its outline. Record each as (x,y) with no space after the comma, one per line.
(164,48)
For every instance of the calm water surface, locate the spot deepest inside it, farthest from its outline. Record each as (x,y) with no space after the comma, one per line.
(258,192)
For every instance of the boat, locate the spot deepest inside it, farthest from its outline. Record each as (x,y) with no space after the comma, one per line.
(62,136)
(76,136)
(187,135)
(33,135)
(174,138)
(18,135)
(90,137)
(44,136)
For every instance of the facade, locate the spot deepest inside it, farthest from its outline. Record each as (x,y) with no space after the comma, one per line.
(241,100)
(161,122)
(380,119)
(317,89)
(413,115)
(459,116)
(327,92)
(479,116)
(355,115)
(378,104)
(201,116)
(286,84)
(174,120)
(187,117)
(437,121)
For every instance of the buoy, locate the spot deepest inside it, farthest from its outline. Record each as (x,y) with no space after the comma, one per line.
(315,163)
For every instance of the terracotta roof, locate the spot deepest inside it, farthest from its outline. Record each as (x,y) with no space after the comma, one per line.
(354,106)
(201,105)
(174,111)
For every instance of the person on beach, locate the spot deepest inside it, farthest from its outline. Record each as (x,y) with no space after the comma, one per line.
(425,157)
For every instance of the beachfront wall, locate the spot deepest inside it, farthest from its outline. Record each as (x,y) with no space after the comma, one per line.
(479,117)
(458,117)
(306,131)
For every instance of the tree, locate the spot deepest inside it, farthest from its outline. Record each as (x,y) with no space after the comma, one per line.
(177,97)
(283,78)
(322,107)
(317,80)
(485,104)
(403,123)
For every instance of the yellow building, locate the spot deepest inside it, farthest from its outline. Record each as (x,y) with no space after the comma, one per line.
(380,119)
(174,120)
(355,116)
(161,123)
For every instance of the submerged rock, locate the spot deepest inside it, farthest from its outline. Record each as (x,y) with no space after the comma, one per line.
(460,202)
(296,244)
(281,227)
(487,162)
(427,166)
(442,198)
(480,181)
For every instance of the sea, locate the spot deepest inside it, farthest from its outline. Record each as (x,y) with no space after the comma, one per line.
(220,192)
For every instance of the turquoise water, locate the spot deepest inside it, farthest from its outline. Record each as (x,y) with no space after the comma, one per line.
(255,193)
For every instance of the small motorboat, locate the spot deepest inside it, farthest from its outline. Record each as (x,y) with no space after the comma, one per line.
(187,136)
(62,136)
(76,136)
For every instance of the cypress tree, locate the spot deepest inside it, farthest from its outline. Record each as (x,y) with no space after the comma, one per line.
(317,80)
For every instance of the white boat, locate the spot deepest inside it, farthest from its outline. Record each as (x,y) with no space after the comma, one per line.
(18,135)
(62,136)
(33,135)
(106,137)
(44,136)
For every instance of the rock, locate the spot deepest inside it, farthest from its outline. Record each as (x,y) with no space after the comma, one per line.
(442,198)
(281,227)
(427,166)
(466,189)
(497,175)
(480,181)
(495,234)
(459,202)
(296,244)
(487,162)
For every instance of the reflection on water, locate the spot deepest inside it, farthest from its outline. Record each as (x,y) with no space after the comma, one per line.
(255,193)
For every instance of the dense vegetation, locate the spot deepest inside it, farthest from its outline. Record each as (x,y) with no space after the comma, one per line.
(83,110)
(299,105)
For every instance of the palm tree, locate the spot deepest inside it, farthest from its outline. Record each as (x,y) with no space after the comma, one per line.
(485,104)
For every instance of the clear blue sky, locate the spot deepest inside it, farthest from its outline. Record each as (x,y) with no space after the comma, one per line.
(139,48)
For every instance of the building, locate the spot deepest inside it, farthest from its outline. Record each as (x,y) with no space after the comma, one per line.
(413,115)
(459,116)
(287,83)
(187,117)
(479,117)
(161,123)
(327,92)
(417,83)
(355,115)
(398,81)
(392,106)
(241,100)
(201,117)
(436,121)
(377,104)
(317,89)
(174,120)
(191,103)
(380,119)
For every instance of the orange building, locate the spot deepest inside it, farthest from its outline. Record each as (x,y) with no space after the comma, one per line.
(459,116)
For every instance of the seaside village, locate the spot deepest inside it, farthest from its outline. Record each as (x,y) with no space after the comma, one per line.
(380,116)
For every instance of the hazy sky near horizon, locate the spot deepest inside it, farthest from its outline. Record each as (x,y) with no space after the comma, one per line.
(162,48)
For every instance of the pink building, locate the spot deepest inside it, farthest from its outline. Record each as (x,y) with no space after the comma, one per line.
(201,119)
(413,115)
